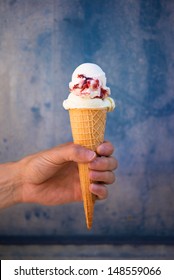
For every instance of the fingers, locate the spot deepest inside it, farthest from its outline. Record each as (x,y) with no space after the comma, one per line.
(101,170)
(68,152)
(106,177)
(79,154)
(76,153)
(105,149)
(103,163)
(99,190)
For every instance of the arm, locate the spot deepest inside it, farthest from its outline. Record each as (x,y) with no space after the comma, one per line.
(51,177)
(10,184)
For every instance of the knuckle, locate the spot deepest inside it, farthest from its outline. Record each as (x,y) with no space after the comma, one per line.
(76,151)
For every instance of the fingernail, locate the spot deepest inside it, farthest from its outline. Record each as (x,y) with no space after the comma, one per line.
(102,149)
(91,155)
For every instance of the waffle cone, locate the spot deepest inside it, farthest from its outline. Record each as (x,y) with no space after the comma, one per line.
(88,127)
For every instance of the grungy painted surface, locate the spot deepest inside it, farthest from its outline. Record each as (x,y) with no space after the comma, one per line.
(41,43)
(85,252)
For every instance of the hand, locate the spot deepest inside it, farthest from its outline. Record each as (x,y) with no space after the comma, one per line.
(51,177)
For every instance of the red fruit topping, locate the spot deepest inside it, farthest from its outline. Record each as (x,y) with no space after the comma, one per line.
(75,86)
(85,83)
(85,86)
(81,76)
(95,85)
(103,93)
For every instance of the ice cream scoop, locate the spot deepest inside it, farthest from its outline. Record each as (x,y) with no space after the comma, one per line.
(88,89)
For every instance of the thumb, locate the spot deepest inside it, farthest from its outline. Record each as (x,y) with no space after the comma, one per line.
(70,152)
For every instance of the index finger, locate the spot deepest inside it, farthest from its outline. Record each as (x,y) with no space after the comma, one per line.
(105,149)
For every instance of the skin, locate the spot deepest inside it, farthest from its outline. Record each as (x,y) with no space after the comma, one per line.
(51,177)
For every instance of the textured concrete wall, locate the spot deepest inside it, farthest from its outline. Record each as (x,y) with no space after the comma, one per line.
(41,42)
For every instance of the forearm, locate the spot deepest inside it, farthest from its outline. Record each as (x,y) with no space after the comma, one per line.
(10,184)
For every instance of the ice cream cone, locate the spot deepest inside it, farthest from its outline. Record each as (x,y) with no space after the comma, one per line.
(88,127)
(88,102)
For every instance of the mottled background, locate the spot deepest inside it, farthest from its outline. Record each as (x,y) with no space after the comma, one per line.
(41,43)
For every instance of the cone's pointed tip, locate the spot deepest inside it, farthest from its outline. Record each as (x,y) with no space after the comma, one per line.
(89,226)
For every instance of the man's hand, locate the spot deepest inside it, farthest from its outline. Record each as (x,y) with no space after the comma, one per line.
(51,177)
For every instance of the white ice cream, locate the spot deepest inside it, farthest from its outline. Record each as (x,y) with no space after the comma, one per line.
(88,89)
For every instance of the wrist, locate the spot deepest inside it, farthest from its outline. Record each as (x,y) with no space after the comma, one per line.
(10,184)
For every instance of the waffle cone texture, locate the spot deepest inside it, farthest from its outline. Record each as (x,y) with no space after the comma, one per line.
(88,127)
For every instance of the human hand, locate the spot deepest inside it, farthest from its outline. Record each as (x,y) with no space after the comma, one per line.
(51,177)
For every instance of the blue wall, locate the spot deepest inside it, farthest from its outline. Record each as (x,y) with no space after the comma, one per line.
(41,43)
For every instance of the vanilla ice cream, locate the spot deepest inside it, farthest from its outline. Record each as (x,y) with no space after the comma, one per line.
(88,89)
